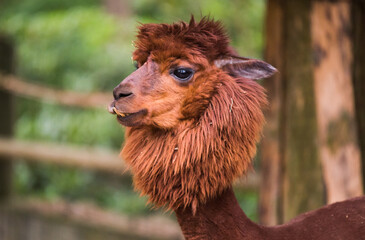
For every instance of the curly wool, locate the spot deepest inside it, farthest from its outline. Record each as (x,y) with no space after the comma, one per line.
(197,160)
(206,37)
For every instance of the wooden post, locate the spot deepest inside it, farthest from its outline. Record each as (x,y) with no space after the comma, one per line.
(333,56)
(6,117)
(358,23)
(302,177)
(299,177)
(270,154)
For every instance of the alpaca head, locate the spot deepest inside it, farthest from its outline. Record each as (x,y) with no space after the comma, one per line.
(192,111)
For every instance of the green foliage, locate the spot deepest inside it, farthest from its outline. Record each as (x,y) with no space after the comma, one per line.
(82,49)
(33,7)
(76,45)
(48,122)
(248,202)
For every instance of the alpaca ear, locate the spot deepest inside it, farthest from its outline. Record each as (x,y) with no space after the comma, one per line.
(245,67)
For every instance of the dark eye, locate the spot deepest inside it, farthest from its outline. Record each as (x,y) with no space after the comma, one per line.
(182,74)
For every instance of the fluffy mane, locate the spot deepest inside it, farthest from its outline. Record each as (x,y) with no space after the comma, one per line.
(197,160)
(206,37)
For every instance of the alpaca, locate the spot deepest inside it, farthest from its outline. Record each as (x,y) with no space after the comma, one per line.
(193,116)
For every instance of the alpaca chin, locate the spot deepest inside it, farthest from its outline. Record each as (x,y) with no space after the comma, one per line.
(199,158)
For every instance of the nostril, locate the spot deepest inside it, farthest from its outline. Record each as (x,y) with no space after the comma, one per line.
(121,95)
(122,91)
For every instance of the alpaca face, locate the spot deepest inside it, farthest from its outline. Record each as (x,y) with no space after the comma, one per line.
(164,91)
(154,93)
(179,70)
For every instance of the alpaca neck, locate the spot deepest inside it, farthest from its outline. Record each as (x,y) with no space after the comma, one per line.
(219,218)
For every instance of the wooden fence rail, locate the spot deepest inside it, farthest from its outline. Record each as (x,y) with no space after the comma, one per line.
(23,88)
(80,157)
(59,218)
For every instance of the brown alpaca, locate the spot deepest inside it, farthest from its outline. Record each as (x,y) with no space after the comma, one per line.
(193,117)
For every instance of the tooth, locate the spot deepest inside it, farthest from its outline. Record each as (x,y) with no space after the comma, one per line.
(115,110)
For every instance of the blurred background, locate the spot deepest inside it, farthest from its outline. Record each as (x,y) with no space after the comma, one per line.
(60,174)
(85,46)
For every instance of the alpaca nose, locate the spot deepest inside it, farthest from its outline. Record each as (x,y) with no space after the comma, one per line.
(122,91)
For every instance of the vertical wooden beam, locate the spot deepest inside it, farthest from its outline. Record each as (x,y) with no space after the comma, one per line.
(6,117)
(333,56)
(293,135)
(302,183)
(270,154)
(358,23)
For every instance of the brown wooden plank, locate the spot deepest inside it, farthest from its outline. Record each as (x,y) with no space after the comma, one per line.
(291,142)
(82,157)
(270,152)
(72,156)
(358,23)
(28,219)
(337,131)
(302,179)
(23,88)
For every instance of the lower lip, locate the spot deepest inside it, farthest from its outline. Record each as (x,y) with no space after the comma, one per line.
(125,117)
(125,120)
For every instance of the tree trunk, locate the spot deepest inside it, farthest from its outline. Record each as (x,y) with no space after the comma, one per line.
(358,22)
(332,51)
(6,117)
(302,180)
(270,154)
(292,138)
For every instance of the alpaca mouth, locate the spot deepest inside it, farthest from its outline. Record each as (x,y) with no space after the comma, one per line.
(119,113)
(128,119)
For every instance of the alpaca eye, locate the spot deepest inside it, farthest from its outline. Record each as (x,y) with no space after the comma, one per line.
(183,74)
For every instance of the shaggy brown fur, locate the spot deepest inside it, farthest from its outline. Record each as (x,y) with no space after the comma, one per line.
(206,38)
(220,120)
(222,218)
(198,159)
